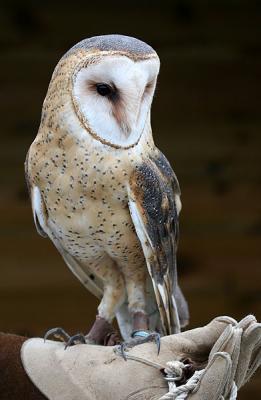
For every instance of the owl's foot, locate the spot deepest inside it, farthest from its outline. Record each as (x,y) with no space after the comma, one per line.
(59,333)
(77,339)
(139,337)
(103,333)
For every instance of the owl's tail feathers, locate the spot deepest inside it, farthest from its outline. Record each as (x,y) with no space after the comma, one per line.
(172,306)
(182,306)
(167,307)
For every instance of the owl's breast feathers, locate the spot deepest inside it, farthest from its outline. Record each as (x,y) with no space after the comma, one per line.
(80,185)
(153,199)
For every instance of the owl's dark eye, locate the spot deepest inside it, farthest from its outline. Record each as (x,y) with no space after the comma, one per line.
(104,89)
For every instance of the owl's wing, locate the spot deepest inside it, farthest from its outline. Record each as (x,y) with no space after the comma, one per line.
(153,203)
(40,215)
(41,222)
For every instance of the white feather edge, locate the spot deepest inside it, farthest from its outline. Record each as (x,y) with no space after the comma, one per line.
(39,213)
(40,217)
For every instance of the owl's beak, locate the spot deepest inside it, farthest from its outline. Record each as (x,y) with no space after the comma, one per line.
(132,116)
(120,114)
(126,129)
(127,114)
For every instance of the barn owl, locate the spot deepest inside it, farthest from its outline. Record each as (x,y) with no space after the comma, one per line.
(102,191)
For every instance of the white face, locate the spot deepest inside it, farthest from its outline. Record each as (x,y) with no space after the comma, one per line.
(114,96)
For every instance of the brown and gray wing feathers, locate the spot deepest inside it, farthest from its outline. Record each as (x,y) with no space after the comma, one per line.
(153,189)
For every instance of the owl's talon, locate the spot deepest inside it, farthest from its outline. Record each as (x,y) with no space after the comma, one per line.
(122,351)
(75,339)
(145,337)
(139,337)
(57,333)
(157,340)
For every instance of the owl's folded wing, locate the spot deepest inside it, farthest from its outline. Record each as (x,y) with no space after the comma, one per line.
(154,202)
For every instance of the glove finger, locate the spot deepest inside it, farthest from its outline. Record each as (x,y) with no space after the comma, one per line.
(216,379)
(200,340)
(247,321)
(227,320)
(254,366)
(233,348)
(229,342)
(222,340)
(249,359)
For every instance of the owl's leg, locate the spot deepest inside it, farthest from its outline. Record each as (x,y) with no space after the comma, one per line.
(136,291)
(137,301)
(102,332)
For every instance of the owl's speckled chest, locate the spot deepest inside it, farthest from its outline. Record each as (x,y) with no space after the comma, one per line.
(85,194)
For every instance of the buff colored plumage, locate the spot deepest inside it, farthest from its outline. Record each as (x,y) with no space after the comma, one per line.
(107,198)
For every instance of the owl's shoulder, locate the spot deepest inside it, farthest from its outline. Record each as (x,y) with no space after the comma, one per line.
(155,171)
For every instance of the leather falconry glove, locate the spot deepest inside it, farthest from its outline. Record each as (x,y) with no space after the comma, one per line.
(208,363)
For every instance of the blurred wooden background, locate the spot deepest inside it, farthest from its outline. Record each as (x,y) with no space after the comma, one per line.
(206,119)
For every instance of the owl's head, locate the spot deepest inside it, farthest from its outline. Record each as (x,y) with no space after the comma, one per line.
(112,85)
